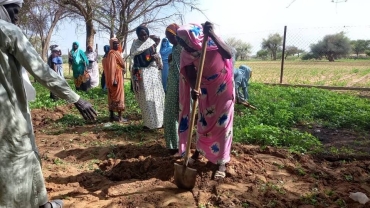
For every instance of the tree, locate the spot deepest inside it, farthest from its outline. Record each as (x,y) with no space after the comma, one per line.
(292,50)
(242,48)
(332,47)
(121,17)
(39,19)
(272,44)
(86,9)
(359,46)
(263,54)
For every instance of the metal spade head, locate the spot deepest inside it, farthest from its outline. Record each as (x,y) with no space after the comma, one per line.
(185,177)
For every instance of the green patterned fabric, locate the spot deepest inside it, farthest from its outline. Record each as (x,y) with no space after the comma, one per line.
(171,106)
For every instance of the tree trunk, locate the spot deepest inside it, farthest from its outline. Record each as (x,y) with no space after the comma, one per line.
(274,55)
(46,41)
(44,49)
(331,57)
(90,33)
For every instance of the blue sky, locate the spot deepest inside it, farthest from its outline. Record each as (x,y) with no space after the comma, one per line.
(252,20)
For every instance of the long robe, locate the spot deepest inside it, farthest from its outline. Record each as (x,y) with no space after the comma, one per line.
(21,179)
(171,106)
(93,69)
(150,95)
(113,65)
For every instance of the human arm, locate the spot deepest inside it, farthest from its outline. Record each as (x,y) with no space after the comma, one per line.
(223,49)
(190,75)
(21,49)
(170,58)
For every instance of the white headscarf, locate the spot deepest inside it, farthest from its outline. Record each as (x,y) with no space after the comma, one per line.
(3,13)
(30,90)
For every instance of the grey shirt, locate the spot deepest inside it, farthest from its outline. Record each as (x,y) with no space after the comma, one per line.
(21,182)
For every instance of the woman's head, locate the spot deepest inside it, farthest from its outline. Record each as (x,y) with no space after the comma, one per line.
(89,49)
(171,33)
(191,36)
(114,44)
(142,33)
(106,49)
(165,43)
(156,39)
(75,45)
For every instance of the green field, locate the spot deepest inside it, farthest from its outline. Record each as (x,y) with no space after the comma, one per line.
(343,73)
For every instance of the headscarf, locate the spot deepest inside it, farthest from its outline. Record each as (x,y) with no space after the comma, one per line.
(166,49)
(106,50)
(78,55)
(139,46)
(142,27)
(111,41)
(172,28)
(192,35)
(3,13)
(88,49)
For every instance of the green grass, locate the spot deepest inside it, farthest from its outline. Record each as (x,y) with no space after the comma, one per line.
(280,110)
(347,73)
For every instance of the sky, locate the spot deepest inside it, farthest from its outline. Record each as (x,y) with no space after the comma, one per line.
(307,21)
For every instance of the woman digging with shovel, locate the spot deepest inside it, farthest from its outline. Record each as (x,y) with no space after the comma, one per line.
(216,95)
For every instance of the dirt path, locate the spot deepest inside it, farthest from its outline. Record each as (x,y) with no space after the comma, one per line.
(99,165)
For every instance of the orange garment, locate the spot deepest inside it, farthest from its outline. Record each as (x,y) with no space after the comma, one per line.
(113,66)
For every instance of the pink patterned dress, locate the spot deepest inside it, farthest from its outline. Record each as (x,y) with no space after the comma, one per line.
(216,107)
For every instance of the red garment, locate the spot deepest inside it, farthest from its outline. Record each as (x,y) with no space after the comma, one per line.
(114,66)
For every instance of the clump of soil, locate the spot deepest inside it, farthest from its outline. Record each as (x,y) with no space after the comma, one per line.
(90,168)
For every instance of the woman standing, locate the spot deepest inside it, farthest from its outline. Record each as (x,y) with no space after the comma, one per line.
(165,51)
(147,79)
(79,63)
(171,106)
(55,62)
(106,51)
(114,68)
(92,67)
(216,99)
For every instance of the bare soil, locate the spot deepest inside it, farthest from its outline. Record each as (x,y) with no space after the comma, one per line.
(95,165)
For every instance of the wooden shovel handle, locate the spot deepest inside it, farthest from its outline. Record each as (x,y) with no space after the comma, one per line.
(195,102)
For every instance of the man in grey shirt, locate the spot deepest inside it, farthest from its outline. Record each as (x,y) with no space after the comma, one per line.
(21,180)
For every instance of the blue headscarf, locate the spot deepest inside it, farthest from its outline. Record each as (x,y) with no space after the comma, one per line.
(166,49)
(106,50)
(78,55)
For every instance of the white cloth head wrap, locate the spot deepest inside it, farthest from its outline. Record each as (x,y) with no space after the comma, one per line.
(3,13)
(30,90)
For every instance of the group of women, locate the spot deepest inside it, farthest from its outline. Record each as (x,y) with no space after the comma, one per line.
(168,101)
(85,67)
(164,86)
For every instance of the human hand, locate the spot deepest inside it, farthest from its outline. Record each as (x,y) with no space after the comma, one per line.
(86,109)
(136,86)
(195,94)
(170,58)
(208,29)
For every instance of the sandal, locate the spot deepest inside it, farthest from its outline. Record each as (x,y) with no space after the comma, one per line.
(114,118)
(56,203)
(123,120)
(220,174)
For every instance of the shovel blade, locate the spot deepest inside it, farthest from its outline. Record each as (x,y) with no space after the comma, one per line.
(185,177)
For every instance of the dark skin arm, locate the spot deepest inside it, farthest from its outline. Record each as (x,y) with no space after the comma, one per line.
(223,49)
(191,75)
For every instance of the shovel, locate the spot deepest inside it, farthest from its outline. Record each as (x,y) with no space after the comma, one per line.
(184,176)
